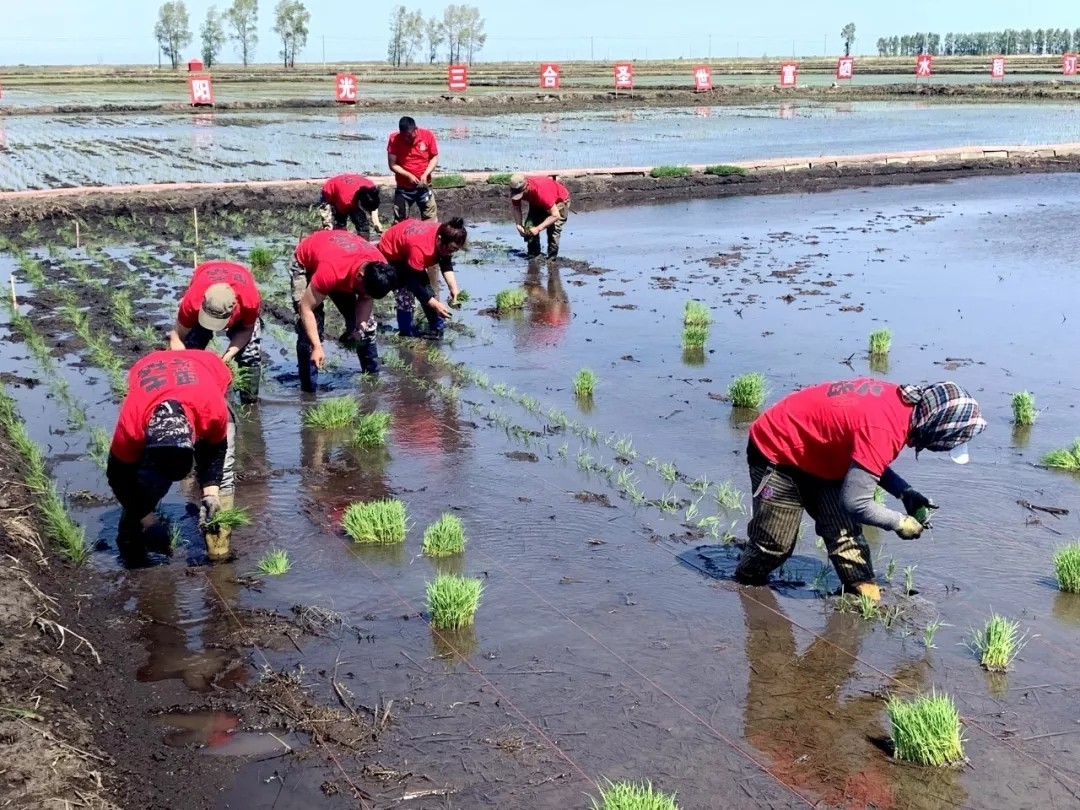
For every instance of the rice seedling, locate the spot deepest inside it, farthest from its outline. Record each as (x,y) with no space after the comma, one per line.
(98,446)
(868,610)
(696,314)
(376,522)
(890,615)
(668,472)
(930,631)
(909,579)
(880,342)
(584,459)
(1064,459)
(452,601)
(1023,408)
(499,179)
(122,311)
(997,643)
(728,497)
(444,537)
(261,261)
(333,413)
(700,485)
(448,181)
(694,337)
(625,480)
(724,169)
(670,171)
(890,569)
(372,429)
(510,299)
(624,448)
(633,796)
(275,562)
(691,511)
(585,383)
(1067,567)
(232,518)
(748,391)
(926,730)
(564,450)
(819,584)
(669,503)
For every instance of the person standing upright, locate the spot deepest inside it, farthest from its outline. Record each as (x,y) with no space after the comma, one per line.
(412,155)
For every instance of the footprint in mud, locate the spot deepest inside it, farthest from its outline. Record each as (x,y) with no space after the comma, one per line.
(592,497)
(518,455)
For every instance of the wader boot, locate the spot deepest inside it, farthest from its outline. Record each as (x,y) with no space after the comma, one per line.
(868,589)
(217,541)
(405,325)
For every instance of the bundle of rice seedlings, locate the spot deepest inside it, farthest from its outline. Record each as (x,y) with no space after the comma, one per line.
(1064,459)
(926,730)
(748,390)
(333,413)
(694,337)
(1023,408)
(261,260)
(510,299)
(499,179)
(448,181)
(372,429)
(585,383)
(444,537)
(376,522)
(275,563)
(880,342)
(1067,566)
(633,796)
(670,171)
(696,314)
(231,518)
(452,601)
(723,168)
(997,643)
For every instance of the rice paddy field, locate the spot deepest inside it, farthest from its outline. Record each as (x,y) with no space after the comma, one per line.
(596,634)
(53,151)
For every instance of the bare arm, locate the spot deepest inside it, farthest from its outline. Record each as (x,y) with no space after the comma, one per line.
(396,169)
(430,168)
(364,305)
(308,301)
(240,339)
(552,218)
(515,209)
(177,337)
(451,283)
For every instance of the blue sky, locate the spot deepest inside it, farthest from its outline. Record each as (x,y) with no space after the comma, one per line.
(121,31)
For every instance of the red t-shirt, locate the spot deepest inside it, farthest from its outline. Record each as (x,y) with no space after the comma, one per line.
(822,430)
(412,242)
(340,191)
(195,378)
(334,260)
(248,300)
(412,157)
(545,192)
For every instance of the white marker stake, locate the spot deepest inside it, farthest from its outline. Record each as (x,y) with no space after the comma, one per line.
(14,300)
(76,234)
(195,216)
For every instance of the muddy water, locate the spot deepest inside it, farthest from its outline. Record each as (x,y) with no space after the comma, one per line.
(596,653)
(112,149)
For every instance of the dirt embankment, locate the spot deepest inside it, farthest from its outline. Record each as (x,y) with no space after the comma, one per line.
(525,101)
(480,200)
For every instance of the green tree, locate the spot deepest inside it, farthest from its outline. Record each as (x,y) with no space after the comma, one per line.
(395,47)
(173,30)
(243,20)
(291,20)
(472,36)
(847,34)
(213,37)
(435,34)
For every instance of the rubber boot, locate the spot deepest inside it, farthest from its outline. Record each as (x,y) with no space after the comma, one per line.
(309,374)
(217,542)
(405,323)
(368,354)
(868,589)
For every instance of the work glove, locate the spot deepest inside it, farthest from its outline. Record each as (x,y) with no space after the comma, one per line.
(914,501)
(208,509)
(909,528)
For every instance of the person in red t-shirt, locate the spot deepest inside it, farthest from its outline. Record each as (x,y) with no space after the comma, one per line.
(223,296)
(174,417)
(826,449)
(412,155)
(352,273)
(352,197)
(415,249)
(549,206)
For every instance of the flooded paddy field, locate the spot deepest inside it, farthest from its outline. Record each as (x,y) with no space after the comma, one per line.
(51,151)
(609,643)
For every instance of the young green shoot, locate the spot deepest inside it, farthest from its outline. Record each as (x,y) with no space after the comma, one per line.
(452,601)
(748,391)
(890,569)
(231,518)
(1067,567)
(510,299)
(275,562)
(372,429)
(728,497)
(909,579)
(624,448)
(926,730)
(930,631)
(700,485)
(633,796)
(336,412)
(670,171)
(1064,459)
(880,342)
(444,537)
(585,383)
(696,314)
(376,522)
(668,472)
(1023,408)
(997,643)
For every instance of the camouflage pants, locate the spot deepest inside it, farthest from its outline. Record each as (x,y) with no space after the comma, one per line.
(422,198)
(780,497)
(333,221)
(554,231)
(249,358)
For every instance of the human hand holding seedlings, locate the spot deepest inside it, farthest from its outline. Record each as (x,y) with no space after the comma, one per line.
(910,528)
(440,307)
(210,506)
(917,504)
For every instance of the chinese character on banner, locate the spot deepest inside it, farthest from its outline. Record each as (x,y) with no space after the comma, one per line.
(549,76)
(201,91)
(624,76)
(845,67)
(1068,64)
(702,78)
(997,67)
(789,74)
(924,66)
(345,88)
(457,78)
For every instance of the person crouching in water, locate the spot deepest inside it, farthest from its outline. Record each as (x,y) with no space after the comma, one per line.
(350,198)
(549,207)
(416,249)
(352,273)
(826,449)
(174,417)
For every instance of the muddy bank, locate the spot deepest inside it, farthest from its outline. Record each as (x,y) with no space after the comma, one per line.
(480,199)
(671,96)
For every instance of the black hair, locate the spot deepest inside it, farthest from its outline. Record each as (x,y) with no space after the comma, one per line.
(380,279)
(453,232)
(406,123)
(368,198)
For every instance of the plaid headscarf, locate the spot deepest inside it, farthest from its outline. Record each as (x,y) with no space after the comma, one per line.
(169,427)
(945,416)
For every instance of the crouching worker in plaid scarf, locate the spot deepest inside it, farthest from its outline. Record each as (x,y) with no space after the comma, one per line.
(825,450)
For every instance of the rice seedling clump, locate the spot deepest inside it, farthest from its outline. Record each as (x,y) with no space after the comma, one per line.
(510,299)
(448,181)
(633,796)
(377,522)
(444,537)
(372,429)
(696,314)
(1067,566)
(880,342)
(694,337)
(670,171)
(1065,459)
(1023,408)
(261,259)
(452,601)
(499,179)
(275,563)
(997,643)
(723,168)
(748,390)
(926,730)
(231,518)
(585,382)
(332,413)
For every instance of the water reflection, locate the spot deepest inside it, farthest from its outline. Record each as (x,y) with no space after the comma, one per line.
(454,645)
(549,313)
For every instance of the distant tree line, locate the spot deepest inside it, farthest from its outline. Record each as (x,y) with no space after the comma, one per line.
(416,38)
(239,22)
(1010,41)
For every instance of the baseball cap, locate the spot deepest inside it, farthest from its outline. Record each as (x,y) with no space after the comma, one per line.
(217,307)
(517,186)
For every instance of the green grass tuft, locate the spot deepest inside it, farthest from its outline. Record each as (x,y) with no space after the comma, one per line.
(499,179)
(333,413)
(670,171)
(1064,459)
(997,643)
(372,429)
(228,519)
(926,730)
(1067,566)
(452,601)
(748,390)
(506,300)
(275,563)
(444,537)
(723,169)
(261,259)
(1023,408)
(448,181)
(633,796)
(880,342)
(585,383)
(696,314)
(694,337)
(376,522)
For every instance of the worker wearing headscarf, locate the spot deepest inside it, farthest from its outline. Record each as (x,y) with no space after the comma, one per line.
(826,449)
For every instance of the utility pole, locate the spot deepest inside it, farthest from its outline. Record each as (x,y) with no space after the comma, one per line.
(710,46)
(592,50)
(324,52)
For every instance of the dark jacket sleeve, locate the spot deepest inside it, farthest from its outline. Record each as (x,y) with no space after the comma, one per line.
(417,284)
(210,462)
(857,499)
